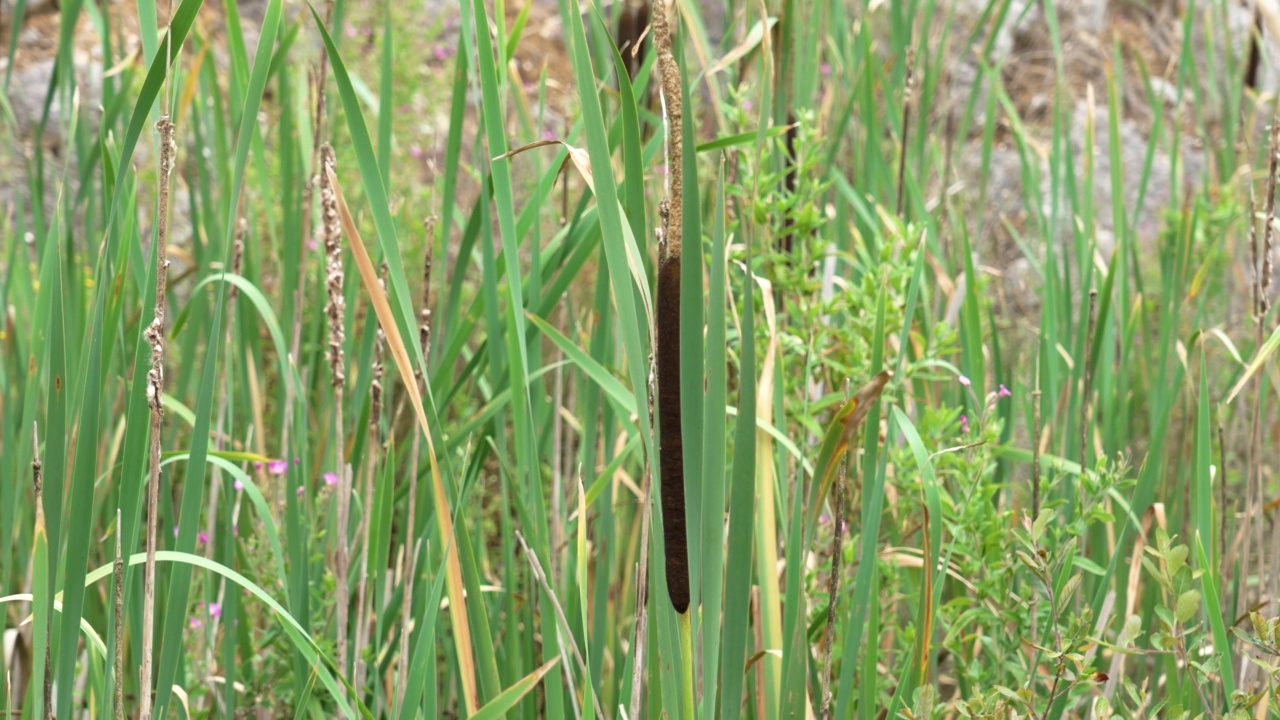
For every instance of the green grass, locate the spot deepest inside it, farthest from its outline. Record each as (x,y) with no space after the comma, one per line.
(861,403)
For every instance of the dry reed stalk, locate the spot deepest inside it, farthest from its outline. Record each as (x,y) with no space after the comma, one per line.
(667,323)
(335,313)
(155,387)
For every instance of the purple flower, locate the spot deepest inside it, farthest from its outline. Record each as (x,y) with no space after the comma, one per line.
(964,381)
(203,537)
(300,490)
(277,467)
(415,152)
(238,484)
(313,246)
(235,528)
(1003,391)
(175,531)
(826,69)
(352,31)
(257,464)
(215,610)
(442,52)
(297,460)
(548,134)
(964,424)
(195,622)
(330,479)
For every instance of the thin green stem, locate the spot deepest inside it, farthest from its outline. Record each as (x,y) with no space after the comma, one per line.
(686,658)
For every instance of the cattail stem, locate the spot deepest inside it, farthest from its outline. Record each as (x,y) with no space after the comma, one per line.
(335,311)
(155,387)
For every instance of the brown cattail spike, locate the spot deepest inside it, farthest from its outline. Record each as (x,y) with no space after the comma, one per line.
(667,320)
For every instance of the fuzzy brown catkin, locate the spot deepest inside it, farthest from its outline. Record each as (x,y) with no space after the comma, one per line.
(667,325)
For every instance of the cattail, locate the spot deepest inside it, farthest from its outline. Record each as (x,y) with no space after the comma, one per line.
(335,311)
(155,387)
(1254,61)
(633,23)
(667,340)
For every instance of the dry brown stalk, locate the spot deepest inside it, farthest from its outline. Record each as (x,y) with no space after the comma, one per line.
(335,313)
(155,387)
